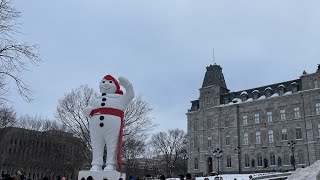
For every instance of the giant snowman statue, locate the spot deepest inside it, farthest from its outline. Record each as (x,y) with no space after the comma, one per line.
(106,113)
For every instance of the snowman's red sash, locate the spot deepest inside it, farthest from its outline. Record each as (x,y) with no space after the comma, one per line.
(115,112)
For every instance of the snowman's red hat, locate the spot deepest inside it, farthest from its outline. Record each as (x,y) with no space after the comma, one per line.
(109,77)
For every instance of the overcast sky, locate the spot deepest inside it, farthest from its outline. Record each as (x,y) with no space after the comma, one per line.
(163,47)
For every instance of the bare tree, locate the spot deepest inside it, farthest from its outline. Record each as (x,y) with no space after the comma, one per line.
(7,117)
(39,123)
(15,57)
(132,149)
(70,113)
(169,144)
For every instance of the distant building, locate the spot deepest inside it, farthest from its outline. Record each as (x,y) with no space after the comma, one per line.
(253,126)
(38,154)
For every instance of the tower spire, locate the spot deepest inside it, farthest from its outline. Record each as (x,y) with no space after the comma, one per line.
(214,58)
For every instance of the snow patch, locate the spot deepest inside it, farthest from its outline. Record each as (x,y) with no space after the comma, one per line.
(281,86)
(262,97)
(275,95)
(249,100)
(287,93)
(311,172)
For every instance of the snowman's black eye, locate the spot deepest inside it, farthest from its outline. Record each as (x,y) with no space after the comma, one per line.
(103,81)
(110,81)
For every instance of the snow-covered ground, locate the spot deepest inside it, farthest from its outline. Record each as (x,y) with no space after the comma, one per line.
(310,172)
(229,176)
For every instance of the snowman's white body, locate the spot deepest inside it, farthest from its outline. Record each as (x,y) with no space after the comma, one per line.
(105,128)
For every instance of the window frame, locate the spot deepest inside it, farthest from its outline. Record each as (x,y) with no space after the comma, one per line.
(296,112)
(284,134)
(256,118)
(245,120)
(245,138)
(269,116)
(258,136)
(270,136)
(283,114)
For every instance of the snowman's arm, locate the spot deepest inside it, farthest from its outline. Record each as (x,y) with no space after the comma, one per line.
(89,108)
(129,95)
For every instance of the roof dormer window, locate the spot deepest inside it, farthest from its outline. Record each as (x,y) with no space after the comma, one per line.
(294,87)
(244,96)
(255,94)
(281,89)
(268,91)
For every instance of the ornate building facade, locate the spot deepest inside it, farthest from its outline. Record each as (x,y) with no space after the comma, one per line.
(38,154)
(253,128)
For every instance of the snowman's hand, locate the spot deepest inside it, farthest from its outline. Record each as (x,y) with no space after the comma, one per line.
(87,111)
(123,81)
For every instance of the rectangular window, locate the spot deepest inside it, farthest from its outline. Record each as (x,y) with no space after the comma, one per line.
(258,137)
(270,136)
(269,116)
(246,160)
(245,139)
(316,84)
(209,122)
(209,142)
(195,142)
(319,129)
(195,125)
(318,109)
(284,135)
(228,141)
(245,120)
(298,133)
(283,114)
(256,118)
(296,112)
(227,122)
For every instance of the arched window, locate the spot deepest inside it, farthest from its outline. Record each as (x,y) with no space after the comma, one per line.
(294,87)
(281,89)
(268,91)
(246,160)
(244,96)
(228,161)
(279,161)
(255,94)
(259,160)
(196,163)
(272,159)
(300,157)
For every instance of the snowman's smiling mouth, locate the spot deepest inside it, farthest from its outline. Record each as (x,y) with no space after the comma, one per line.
(106,88)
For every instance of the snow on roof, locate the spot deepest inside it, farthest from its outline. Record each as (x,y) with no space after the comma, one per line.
(294,83)
(287,93)
(306,173)
(236,100)
(274,95)
(256,91)
(268,88)
(281,85)
(243,93)
(262,97)
(248,100)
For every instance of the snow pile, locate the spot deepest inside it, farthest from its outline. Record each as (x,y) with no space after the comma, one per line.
(310,172)
(275,95)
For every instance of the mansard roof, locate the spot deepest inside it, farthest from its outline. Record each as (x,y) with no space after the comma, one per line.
(214,76)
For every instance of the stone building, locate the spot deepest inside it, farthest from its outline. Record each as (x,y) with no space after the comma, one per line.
(38,154)
(253,127)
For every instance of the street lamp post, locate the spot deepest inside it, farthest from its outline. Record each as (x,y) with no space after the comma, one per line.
(291,145)
(238,151)
(217,153)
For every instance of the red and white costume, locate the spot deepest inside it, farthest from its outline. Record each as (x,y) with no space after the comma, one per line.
(106,114)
